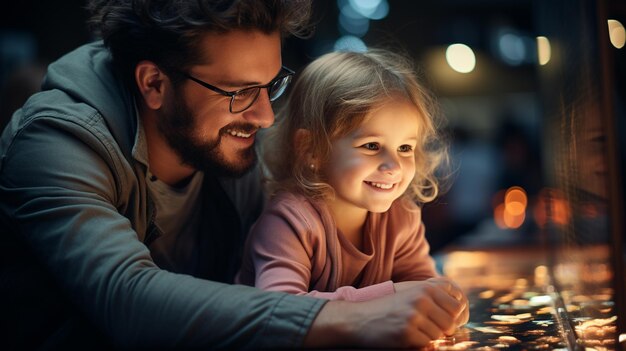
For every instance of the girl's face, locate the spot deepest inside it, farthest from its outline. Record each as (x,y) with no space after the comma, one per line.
(373,165)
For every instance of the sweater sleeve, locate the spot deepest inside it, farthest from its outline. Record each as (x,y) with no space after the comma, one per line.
(349,293)
(283,245)
(412,257)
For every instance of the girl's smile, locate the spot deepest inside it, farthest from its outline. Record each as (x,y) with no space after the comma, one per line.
(373,165)
(381,186)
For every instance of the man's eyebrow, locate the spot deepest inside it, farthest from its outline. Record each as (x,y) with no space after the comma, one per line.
(236,84)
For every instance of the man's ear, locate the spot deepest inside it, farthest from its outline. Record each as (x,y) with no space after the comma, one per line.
(150,82)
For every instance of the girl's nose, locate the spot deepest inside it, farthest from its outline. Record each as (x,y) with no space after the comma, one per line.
(390,165)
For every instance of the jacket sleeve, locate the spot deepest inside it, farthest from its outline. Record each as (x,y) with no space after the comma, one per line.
(59,192)
(412,255)
(283,245)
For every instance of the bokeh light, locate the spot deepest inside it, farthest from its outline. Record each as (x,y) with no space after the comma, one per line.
(510,211)
(372,9)
(512,48)
(543,50)
(350,43)
(617,34)
(461,58)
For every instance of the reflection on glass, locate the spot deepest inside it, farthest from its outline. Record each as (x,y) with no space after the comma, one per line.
(573,209)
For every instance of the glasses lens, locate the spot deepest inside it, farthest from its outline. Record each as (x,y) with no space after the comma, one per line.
(278,88)
(244,99)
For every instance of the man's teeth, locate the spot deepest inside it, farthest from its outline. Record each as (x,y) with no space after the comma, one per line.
(238,134)
(381,185)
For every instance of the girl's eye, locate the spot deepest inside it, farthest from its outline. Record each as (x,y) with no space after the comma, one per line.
(370,146)
(405,148)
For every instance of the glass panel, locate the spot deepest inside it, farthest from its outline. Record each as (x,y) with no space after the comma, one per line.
(583,192)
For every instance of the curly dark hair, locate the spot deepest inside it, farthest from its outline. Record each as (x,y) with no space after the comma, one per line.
(167,32)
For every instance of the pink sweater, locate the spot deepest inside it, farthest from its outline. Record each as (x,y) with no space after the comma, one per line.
(295,247)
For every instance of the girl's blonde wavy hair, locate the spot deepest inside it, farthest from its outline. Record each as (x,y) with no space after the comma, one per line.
(330,99)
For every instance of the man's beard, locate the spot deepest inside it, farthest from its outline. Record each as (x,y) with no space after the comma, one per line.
(177,125)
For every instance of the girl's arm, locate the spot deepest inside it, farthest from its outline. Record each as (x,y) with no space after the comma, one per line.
(350,293)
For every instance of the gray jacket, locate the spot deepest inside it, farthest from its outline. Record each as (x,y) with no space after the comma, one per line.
(76,222)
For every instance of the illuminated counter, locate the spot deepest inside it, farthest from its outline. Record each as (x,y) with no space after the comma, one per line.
(514,305)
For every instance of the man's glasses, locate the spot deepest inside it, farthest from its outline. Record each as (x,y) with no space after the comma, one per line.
(241,100)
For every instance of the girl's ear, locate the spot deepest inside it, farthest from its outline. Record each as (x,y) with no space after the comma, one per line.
(150,82)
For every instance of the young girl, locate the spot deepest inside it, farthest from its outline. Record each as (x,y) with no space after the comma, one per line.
(346,162)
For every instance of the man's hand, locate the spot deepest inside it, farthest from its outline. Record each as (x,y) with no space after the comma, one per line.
(450,287)
(417,313)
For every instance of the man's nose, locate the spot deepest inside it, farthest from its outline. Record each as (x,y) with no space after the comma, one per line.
(260,113)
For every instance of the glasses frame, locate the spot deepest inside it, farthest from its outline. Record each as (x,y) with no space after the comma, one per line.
(233,94)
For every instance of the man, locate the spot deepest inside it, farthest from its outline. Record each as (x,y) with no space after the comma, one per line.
(128,183)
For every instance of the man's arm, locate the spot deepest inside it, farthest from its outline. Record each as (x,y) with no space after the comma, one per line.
(60,189)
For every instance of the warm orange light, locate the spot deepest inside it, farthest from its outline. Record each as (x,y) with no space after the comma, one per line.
(507,220)
(513,221)
(515,200)
(510,210)
(514,208)
(487,294)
